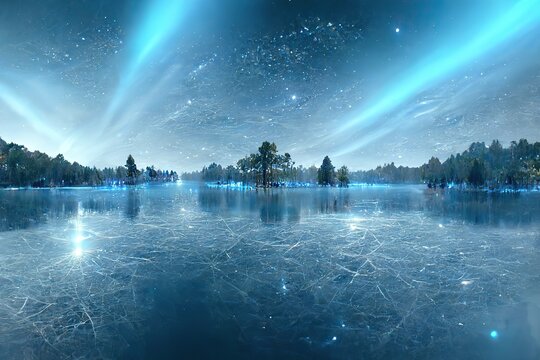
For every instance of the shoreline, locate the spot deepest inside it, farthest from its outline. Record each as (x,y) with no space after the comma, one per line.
(89,187)
(453,188)
(238,186)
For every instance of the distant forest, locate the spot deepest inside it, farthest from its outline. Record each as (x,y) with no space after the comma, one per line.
(23,168)
(480,166)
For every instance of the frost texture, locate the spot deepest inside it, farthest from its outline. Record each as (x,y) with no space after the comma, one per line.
(381,282)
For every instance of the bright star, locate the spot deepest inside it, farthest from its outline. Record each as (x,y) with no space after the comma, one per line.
(397,30)
(494,334)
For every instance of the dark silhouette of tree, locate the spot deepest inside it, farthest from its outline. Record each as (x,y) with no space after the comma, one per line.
(516,166)
(152,173)
(326,174)
(343,176)
(231,174)
(213,172)
(245,167)
(132,171)
(21,167)
(266,159)
(121,172)
(433,171)
(476,175)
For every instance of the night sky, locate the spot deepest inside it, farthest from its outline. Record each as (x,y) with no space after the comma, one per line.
(180,84)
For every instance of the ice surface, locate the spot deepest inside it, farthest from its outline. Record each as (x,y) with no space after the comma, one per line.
(295,274)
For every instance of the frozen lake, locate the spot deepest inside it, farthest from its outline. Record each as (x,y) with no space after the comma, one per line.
(183,271)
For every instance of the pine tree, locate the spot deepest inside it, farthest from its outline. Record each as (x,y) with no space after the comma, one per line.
(343,176)
(266,158)
(476,175)
(326,174)
(132,172)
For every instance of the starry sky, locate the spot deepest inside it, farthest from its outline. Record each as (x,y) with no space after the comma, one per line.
(181,83)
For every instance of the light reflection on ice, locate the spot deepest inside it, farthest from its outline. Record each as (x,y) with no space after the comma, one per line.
(379,285)
(78,252)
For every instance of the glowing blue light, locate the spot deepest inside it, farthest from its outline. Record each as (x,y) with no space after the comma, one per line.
(27,112)
(438,65)
(397,30)
(334,338)
(494,334)
(162,19)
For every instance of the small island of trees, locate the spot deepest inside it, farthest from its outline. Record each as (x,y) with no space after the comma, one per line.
(268,168)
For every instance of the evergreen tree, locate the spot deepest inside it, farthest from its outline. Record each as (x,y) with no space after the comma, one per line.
(476,174)
(244,167)
(433,171)
(266,159)
(343,176)
(132,172)
(152,173)
(230,174)
(326,174)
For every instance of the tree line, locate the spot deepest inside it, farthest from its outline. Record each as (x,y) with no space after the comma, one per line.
(268,168)
(493,166)
(22,168)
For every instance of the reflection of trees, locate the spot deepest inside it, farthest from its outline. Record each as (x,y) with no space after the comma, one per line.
(22,209)
(98,204)
(328,201)
(133,205)
(509,209)
(272,208)
(210,199)
(274,205)
(277,205)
